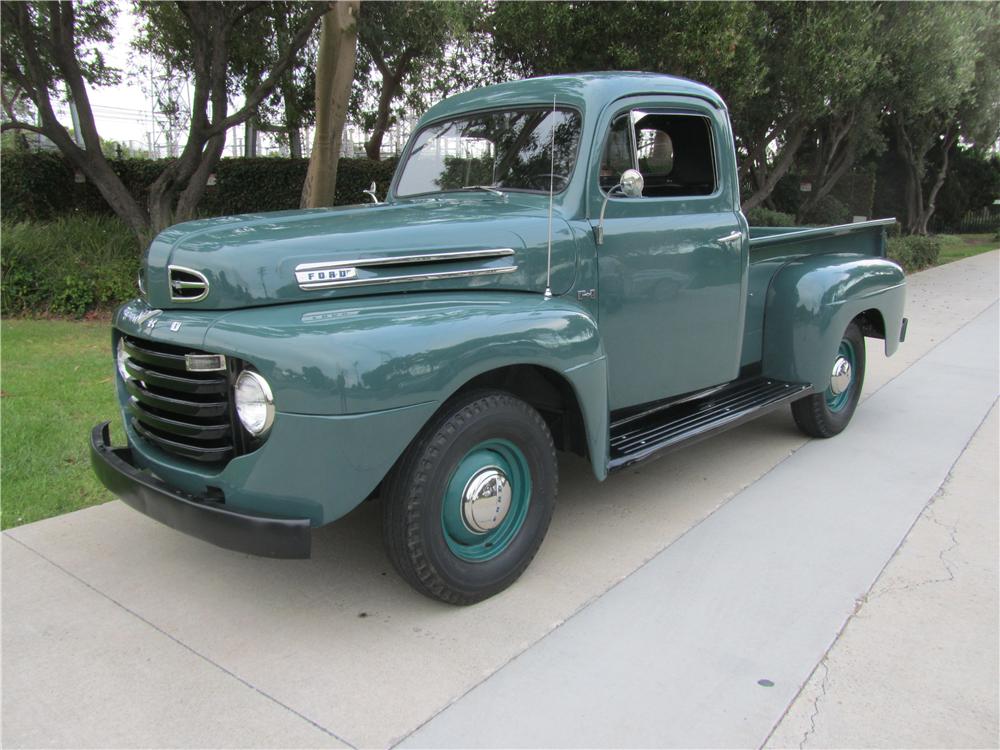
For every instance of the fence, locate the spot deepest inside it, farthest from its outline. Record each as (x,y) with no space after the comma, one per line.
(986,219)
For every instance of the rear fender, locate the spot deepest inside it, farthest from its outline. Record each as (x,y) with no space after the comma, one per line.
(810,303)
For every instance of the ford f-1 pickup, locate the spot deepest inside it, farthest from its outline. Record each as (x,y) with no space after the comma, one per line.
(560,264)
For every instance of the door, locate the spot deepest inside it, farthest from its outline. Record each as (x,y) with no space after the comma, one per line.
(672,264)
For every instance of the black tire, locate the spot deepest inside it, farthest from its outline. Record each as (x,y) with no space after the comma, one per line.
(823,415)
(414,503)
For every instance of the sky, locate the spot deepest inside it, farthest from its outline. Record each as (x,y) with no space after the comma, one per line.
(122,112)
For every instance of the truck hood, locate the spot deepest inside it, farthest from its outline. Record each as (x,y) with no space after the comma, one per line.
(270,258)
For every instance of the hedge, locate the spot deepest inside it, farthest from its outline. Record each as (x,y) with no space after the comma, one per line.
(43,186)
(67,266)
(765,217)
(914,252)
(63,252)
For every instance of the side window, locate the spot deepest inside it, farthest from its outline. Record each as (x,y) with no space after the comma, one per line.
(617,154)
(673,152)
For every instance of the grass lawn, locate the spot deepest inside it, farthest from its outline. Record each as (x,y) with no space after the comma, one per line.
(56,385)
(957,246)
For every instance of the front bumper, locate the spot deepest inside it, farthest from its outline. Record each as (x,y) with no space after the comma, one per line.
(267,536)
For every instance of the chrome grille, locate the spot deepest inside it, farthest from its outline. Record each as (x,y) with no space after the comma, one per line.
(184,413)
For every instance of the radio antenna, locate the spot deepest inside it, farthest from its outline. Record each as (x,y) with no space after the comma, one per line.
(552,177)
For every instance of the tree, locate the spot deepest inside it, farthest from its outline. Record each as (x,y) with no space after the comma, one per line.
(740,49)
(826,91)
(835,144)
(712,42)
(334,73)
(50,44)
(287,109)
(201,40)
(16,106)
(400,45)
(944,87)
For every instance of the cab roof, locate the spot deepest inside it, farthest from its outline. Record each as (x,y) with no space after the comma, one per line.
(584,91)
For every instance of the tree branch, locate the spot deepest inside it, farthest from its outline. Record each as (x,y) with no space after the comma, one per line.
(16,125)
(779,168)
(255,97)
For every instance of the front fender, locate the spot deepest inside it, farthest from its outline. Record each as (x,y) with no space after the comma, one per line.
(364,355)
(811,301)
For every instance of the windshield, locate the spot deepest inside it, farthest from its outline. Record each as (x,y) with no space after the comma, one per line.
(506,150)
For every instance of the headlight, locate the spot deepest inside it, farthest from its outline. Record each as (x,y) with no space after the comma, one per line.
(254,403)
(120,358)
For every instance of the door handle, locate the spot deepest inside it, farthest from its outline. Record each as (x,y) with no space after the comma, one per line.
(732,236)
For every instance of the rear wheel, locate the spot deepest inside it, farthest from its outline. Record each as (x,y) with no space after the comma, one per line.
(827,414)
(468,504)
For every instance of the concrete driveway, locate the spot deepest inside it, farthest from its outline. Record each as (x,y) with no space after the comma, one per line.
(692,601)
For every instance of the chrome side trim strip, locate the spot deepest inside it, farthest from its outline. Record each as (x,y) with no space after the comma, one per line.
(500,252)
(409,277)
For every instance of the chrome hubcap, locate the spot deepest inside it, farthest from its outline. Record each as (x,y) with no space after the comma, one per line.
(841,377)
(486,500)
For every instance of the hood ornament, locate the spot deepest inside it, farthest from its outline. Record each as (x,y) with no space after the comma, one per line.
(370,192)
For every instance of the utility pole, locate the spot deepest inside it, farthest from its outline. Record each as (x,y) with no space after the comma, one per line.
(75,118)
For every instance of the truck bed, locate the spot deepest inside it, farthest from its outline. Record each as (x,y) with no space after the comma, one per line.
(866,237)
(772,247)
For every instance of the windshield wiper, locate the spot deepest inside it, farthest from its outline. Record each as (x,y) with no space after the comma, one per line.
(487,188)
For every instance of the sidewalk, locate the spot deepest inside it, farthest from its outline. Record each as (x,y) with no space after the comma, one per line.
(685,602)
(916,665)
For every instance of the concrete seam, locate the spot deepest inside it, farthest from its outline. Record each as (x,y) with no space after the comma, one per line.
(395,743)
(182,644)
(815,713)
(867,596)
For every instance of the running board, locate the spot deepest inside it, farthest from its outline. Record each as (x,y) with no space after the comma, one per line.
(663,430)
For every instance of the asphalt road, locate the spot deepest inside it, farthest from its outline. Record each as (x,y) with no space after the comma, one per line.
(731,594)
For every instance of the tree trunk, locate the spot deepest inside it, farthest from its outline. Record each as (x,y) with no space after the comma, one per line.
(949,141)
(914,156)
(835,155)
(292,114)
(779,169)
(334,75)
(392,81)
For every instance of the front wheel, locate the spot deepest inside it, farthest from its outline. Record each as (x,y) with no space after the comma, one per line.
(468,504)
(826,414)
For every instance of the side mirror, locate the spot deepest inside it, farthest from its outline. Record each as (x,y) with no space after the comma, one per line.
(370,192)
(630,185)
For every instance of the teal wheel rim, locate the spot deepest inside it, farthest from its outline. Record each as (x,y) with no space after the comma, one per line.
(480,536)
(837,400)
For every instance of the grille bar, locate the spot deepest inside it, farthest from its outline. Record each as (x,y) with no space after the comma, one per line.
(188,414)
(200,386)
(160,359)
(176,405)
(199,453)
(177,427)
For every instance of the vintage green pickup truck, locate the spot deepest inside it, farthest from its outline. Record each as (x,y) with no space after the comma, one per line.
(560,264)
